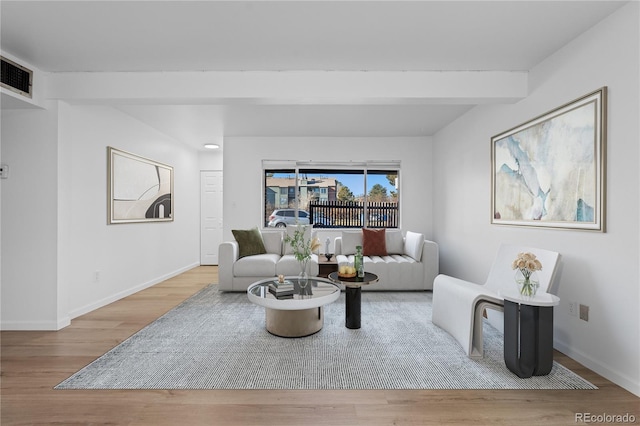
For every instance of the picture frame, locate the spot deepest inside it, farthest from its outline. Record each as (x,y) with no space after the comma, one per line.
(139,189)
(550,171)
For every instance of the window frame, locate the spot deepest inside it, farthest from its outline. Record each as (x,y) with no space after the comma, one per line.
(294,168)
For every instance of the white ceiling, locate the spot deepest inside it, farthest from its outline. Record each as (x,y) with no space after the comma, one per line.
(94,36)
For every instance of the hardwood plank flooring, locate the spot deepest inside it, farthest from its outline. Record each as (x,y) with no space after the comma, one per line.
(32,363)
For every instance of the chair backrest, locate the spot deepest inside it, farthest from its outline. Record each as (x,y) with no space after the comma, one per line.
(502,275)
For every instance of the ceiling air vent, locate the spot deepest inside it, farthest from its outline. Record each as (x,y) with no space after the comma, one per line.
(16,77)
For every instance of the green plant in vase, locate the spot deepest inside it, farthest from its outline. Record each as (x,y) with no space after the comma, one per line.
(302,250)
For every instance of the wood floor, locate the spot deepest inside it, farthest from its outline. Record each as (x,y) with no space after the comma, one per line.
(34,362)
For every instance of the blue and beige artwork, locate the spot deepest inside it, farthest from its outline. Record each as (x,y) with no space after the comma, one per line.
(547,172)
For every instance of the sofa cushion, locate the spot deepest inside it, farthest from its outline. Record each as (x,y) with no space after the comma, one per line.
(249,242)
(377,265)
(413,243)
(272,241)
(259,265)
(374,242)
(351,239)
(395,241)
(288,265)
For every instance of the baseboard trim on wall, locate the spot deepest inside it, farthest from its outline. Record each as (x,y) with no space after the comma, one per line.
(115,297)
(616,377)
(35,325)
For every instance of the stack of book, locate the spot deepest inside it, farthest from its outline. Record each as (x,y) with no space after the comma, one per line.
(281,289)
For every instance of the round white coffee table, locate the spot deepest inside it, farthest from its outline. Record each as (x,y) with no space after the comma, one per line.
(299,316)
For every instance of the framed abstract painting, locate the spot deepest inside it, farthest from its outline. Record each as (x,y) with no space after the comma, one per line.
(139,189)
(550,171)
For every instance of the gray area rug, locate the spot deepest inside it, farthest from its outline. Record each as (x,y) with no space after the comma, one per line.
(218,340)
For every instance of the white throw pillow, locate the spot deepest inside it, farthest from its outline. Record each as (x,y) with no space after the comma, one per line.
(290,230)
(272,241)
(413,243)
(351,239)
(394,240)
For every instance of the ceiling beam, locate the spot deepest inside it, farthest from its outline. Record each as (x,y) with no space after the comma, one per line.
(289,87)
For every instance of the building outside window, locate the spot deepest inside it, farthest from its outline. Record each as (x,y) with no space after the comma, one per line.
(345,197)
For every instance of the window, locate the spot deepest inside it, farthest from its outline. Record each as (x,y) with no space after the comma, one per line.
(336,195)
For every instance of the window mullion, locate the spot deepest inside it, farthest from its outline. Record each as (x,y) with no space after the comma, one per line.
(365,217)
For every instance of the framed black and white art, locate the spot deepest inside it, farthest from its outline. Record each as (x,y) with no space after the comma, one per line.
(139,189)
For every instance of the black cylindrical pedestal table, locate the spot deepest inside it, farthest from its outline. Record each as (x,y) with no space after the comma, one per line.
(528,339)
(352,308)
(353,295)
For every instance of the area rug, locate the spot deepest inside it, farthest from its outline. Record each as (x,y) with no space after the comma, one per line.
(217,340)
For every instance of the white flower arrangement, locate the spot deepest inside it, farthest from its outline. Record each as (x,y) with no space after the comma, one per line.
(527,263)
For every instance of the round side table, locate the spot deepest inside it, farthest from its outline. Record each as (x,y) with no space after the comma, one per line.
(528,332)
(353,295)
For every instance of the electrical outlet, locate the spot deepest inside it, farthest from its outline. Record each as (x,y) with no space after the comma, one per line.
(573,309)
(584,312)
(96,277)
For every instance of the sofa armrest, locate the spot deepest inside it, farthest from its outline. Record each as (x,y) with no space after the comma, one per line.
(228,254)
(430,262)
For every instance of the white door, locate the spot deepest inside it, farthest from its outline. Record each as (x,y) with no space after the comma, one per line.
(210,216)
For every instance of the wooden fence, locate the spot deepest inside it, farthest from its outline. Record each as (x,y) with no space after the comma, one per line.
(340,214)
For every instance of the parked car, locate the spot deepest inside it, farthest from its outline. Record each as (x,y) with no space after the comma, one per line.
(283,217)
(321,221)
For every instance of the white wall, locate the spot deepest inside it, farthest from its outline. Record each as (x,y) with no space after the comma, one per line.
(128,257)
(54,222)
(29,217)
(243,175)
(210,160)
(598,269)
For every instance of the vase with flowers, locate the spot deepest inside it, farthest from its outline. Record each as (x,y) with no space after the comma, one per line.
(526,278)
(302,249)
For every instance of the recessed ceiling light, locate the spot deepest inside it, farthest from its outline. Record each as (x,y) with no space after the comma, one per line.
(211,146)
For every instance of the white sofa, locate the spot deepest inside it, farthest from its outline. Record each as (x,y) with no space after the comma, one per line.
(236,274)
(411,262)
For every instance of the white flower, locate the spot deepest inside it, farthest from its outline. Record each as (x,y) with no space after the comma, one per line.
(527,263)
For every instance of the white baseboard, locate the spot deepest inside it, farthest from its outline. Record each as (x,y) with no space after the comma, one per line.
(115,297)
(608,373)
(66,320)
(36,325)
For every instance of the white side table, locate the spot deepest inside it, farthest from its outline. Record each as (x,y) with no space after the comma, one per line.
(528,332)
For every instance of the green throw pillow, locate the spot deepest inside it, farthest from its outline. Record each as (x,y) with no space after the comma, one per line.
(249,242)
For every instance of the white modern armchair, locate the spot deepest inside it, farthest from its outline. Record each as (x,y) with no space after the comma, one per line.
(458,305)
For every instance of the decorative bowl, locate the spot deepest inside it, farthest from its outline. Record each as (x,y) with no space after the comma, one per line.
(346,275)
(347,271)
